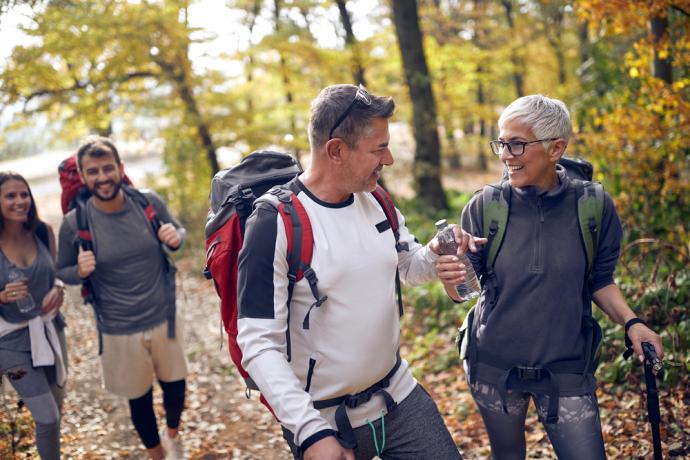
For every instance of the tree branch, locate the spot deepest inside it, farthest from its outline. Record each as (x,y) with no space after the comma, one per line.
(680,10)
(78,85)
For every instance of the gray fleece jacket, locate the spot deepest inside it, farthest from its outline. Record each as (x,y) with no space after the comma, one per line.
(540,275)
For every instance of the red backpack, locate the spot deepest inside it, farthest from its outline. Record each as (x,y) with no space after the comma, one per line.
(233,194)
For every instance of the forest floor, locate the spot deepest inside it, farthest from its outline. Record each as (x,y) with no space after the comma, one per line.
(221,423)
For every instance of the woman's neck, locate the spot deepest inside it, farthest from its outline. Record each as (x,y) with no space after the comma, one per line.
(13,231)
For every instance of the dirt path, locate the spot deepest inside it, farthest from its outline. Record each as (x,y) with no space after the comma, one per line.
(219,421)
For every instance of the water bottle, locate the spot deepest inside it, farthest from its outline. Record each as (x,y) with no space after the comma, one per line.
(446,238)
(25,304)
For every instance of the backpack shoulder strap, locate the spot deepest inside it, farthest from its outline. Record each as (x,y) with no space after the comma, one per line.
(83,228)
(590,207)
(496,208)
(85,242)
(41,232)
(142,201)
(300,241)
(386,202)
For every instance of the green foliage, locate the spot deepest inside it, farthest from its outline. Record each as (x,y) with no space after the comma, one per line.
(420,219)
(188,193)
(657,287)
(431,317)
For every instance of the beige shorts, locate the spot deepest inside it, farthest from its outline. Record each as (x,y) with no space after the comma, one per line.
(131,361)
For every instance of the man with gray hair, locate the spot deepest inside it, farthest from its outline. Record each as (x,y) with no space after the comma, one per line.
(331,370)
(533,336)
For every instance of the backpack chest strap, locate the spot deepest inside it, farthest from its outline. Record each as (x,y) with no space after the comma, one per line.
(345,432)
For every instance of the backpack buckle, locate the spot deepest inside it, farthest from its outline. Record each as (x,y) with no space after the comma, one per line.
(529,373)
(242,200)
(283,195)
(358,399)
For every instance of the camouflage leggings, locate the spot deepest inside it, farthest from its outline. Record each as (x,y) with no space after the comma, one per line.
(577,434)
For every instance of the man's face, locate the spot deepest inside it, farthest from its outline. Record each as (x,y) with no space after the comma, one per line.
(363,164)
(534,167)
(102,175)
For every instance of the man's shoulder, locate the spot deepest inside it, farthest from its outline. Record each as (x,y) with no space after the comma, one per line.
(150,194)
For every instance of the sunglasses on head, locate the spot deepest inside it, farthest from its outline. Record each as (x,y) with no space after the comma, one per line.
(362,96)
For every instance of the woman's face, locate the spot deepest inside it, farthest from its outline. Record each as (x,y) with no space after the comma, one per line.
(15,201)
(536,166)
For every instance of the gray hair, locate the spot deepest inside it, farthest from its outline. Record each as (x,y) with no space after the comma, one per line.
(332,102)
(545,116)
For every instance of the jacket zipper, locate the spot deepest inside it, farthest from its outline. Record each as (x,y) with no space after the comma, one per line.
(310,373)
(537,254)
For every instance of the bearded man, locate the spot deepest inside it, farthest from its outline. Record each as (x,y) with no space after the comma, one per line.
(132,286)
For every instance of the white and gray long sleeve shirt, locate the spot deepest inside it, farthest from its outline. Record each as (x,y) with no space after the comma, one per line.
(353,337)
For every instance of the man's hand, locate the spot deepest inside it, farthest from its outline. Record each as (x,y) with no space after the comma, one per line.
(450,270)
(169,236)
(86,261)
(328,448)
(464,240)
(53,299)
(639,333)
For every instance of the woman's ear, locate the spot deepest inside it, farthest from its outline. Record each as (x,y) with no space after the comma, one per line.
(557,149)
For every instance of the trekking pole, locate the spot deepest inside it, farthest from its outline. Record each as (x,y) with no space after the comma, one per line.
(652,367)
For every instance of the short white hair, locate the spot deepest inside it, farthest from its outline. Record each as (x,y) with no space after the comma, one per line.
(545,116)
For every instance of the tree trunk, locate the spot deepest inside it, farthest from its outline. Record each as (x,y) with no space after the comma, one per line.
(178,73)
(478,40)
(483,162)
(427,159)
(662,67)
(249,68)
(553,17)
(289,98)
(515,59)
(351,44)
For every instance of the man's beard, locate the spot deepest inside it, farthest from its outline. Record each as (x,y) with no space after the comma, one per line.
(116,189)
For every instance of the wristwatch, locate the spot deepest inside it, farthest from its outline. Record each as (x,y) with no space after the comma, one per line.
(59,284)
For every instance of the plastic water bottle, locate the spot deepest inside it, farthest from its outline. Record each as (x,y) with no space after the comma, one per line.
(25,304)
(446,238)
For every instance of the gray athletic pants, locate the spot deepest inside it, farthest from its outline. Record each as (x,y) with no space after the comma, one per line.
(577,434)
(413,430)
(38,389)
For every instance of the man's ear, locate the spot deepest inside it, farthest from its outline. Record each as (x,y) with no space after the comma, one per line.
(336,149)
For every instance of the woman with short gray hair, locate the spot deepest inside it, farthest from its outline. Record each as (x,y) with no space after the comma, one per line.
(532,335)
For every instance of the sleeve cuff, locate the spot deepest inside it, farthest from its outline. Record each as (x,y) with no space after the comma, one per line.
(318,436)
(429,255)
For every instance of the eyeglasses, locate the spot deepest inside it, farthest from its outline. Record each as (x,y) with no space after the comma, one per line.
(516,148)
(362,96)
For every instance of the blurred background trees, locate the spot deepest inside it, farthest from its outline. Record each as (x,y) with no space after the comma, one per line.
(161,69)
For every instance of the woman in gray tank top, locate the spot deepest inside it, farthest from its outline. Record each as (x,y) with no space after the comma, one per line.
(32,345)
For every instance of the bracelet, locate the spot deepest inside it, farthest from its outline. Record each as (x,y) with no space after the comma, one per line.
(59,284)
(632,322)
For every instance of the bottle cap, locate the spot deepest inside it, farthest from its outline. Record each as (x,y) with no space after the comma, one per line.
(443,223)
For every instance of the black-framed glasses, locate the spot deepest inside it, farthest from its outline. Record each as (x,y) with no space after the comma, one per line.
(516,148)
(363,96)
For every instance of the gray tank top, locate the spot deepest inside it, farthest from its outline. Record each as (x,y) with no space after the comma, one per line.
(41,277)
